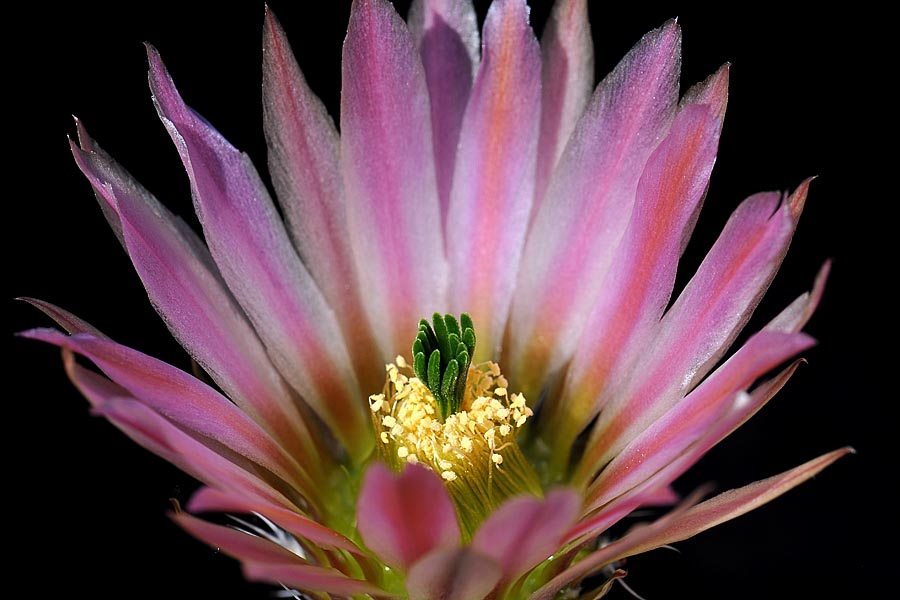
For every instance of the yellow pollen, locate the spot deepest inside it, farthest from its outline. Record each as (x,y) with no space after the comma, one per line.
(405,417)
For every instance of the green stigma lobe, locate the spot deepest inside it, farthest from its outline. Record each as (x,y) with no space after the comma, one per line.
(442,353)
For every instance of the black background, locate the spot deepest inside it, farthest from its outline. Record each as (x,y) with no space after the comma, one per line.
(87,508)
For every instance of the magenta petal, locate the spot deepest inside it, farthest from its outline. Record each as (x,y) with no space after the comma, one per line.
(493,186)
(587,206)
(304,162)
(186,289)
(453,574)
(181,398)
(403,517)
(389,177)
(266,561)
(210,499)
(251,248)
(446,34)
(567,80)
(636,292)
(525,531)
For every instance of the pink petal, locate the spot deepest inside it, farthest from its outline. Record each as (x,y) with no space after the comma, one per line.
(389,177)
(713,92)
(453,574)
(210,499)
(251,248)
(71,323)
(567,80)
(688,521)
(587,206)
(704,321)
(734,503)
(743,406)
(658,442)
(795,316)
(181,398)
(304,162)
(446,34)
(636,292)
(266,561)
(525,531)
(493,186)
(403,517)
(597,560)
(160,436)
(186,289)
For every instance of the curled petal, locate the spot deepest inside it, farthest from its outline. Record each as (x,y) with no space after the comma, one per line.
(453,574)
(525,531)
(403,517)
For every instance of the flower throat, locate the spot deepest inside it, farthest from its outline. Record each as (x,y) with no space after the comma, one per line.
(456,418)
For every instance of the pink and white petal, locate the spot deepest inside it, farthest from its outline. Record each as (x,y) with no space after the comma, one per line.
(255,257)
(660,440)
(70,323)
(186,289)
(567,80)
(402,517)
(211,499)
(798,313)
(263,560)
(311,578)
(182,399)
(713,92)
(304,162)
(493,185)
(525,531)
(586,209)
(160,436)
(742,407)
(684,523)
(702,323)
(453,574)
(389,177)
(446,34)
(600,558)
(635,293)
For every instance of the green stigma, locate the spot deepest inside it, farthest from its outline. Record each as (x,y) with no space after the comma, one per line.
(441,358)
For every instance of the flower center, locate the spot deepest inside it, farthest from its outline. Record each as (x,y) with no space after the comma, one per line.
(473,444)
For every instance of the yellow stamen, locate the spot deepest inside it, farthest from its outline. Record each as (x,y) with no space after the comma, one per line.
(474,450)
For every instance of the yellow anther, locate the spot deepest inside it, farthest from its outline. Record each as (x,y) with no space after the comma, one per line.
(402,452)
(496,458)
(448,475)
(388,421)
